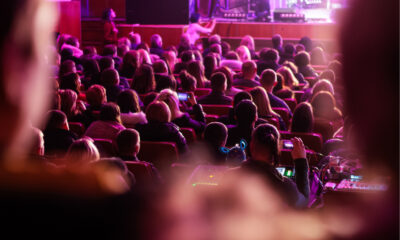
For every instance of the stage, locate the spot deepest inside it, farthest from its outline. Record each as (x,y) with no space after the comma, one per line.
(232,32)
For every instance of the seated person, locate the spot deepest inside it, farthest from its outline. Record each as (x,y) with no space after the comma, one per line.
(143,80)
(217,95)
(183,119)
(268,81)
(232,61)
(111,51)
(160,128)
(95,96)
(269,59)
(72,107)
(110,80)
(324,106)
(265,150)
(71,81)
(246,116)
(131,114)
(303,118)
(231,91)
(156,45)
(109,124)
(188,82)
(81,153)
(162,77)
(57,137)
(302,61)
(186,58)
(128,144)
(248,78)
(215,137)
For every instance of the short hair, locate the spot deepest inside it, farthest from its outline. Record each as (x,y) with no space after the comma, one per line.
(216,48)
(266,137)
(158,111)
(241,96)
(110,50)
(188,82)
(268,78)
(96,95)
(246,112)
(55,119)
(155,41)
(135,38)
(329,75)
(105,63)
(218,81)
(73,41)
(128,101)
(216,134)
(71,81)
(160,66)
(127,140)
(302,59)
(303,118)
(215,38)
(82,151)
(68,101)
(289,49)
(248,41)
(307,43)
(269,55)
(232,55)
(67,67)
(226,47)
(187,56)
(249,67)
(194,18)
(110,112)
(228,74)
(276,40)
(109,77)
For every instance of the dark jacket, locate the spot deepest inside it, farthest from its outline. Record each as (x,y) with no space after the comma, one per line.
(186,121)
(156,177)
(57,141)
(295,193)
(262,65)
(163,132)
(276,102)
(157,51)
(245,83)
(216,98)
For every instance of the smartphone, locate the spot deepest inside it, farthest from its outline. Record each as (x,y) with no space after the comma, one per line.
(183,96)
(287,144)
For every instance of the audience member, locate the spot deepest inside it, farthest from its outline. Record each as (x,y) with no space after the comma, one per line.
(131,114)
(109,124)
(302,60)
(81,153)
(156,45)
(248,41)
(162,76)
(218,88)
(196,69)
(269,59)
(143,80)
(110,80)
(188,82)
(277,43)
(230,91)
(248,78)
(215,137)
(129,64)
(324,106)
(160,127)
(303,118)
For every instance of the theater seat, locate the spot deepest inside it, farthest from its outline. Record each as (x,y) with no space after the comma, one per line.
(77,128)
(323,127)
(298,95)
(105,147)
(284,113)
(161,154)
(219,110)
(211,118)
(311,80)
(189,134)
(142,171)
(199,92)
(286,158)
(292,103)
(312,140)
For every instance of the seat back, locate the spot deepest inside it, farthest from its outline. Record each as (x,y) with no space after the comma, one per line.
(189,134)
(291,102)
(105,147)
(284,113)
(211,118)
(77,128)
(323,127)
(142,171)
(161,154)
(286,158)
(219,110)
(199,92)
(298,95)
(311,80)
(312,140)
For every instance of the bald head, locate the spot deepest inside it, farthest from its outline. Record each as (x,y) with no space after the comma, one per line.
(268,79)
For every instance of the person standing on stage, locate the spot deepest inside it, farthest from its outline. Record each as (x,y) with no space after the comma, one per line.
(110,30)
(194,29)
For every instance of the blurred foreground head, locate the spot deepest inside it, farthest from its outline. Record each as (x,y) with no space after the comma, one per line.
(25,35)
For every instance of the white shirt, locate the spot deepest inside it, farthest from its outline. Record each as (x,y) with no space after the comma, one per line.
(194,31)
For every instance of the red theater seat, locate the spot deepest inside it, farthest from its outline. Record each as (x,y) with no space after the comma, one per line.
(189,134)
(142,171)
(284,113)
(199,92)
(218,110)
(323,127)
(292,103)
(161,154)
(298,95)
(105,147)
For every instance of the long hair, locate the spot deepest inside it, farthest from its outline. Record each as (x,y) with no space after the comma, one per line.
(303,118)
(171,99)
(128,101)
(260,98)
(196,69)
(289,80)
(143,80)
